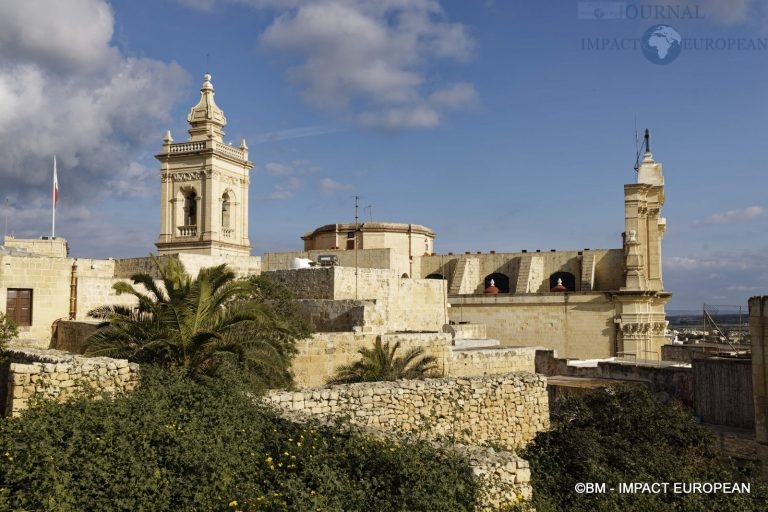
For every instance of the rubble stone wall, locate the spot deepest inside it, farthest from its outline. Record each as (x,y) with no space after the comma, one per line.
(58,375)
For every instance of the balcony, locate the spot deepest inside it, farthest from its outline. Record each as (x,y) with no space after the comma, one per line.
(228,232)
(187,230)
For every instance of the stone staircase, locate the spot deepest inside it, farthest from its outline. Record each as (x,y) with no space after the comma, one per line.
(524,274)
(587,271)
(465,277)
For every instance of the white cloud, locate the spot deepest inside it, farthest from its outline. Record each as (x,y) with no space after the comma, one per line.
(65,90)
(401,118)
(57,34)
(734,216)
(329,187)
(372,56)
(291,177)
(456,96)
(752,260)
(276,169)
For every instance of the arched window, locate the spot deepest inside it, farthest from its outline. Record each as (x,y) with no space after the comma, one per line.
(435,276)
(190,208)
(500,281)
(404,276)
(569,280)
(226,207)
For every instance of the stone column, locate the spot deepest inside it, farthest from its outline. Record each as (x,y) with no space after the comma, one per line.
(758,327)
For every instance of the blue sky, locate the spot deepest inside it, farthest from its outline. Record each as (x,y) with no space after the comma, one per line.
(483,120)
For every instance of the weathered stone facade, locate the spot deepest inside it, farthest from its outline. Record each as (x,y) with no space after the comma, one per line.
(53,374)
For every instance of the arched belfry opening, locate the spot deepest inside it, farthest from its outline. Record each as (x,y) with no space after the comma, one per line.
(226,210)
(190,208)
(204,186)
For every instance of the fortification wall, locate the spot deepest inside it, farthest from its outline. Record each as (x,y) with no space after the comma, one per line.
(395,303)
(677,381)
(320,356)
(576,325)
(505,409)
(54,374)
(366,258)
(241,265)
(608,267)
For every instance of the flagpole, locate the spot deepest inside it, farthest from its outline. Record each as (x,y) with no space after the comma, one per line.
(53,201)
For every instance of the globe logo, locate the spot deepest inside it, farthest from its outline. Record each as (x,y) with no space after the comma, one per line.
(661,44)
(599,13)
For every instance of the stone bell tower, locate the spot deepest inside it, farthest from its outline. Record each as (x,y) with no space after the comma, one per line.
(641,300)
(204,187)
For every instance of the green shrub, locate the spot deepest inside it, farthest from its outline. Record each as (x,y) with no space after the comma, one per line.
(8,331)
(177,445)
(626,434)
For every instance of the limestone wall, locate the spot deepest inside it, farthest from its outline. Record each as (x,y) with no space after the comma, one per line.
(56,248)
(241,265)
(48,278)
(675,380)
(70,335)
(576,325)
(366,258)
(401,304)
(505,409)
(336,315)
(608,268)
(53,374)
(490,361)
(321,355)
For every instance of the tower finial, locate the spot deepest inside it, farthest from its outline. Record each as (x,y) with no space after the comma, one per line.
(647,140)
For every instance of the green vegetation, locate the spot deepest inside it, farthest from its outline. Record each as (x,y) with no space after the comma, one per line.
(202,323)
(179,445)
(8,331)
(381,363)
(627,435)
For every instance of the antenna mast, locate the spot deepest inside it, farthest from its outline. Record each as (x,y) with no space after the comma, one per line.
(357,228)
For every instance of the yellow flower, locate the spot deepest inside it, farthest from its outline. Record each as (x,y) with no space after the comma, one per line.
(233,503)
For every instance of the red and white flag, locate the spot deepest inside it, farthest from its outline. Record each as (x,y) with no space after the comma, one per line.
(55,199)
(55,184)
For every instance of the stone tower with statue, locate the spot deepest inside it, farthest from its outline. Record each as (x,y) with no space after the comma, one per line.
(204,187)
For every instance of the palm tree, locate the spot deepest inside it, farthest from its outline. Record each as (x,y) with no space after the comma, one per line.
(196,324)
(380,363)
